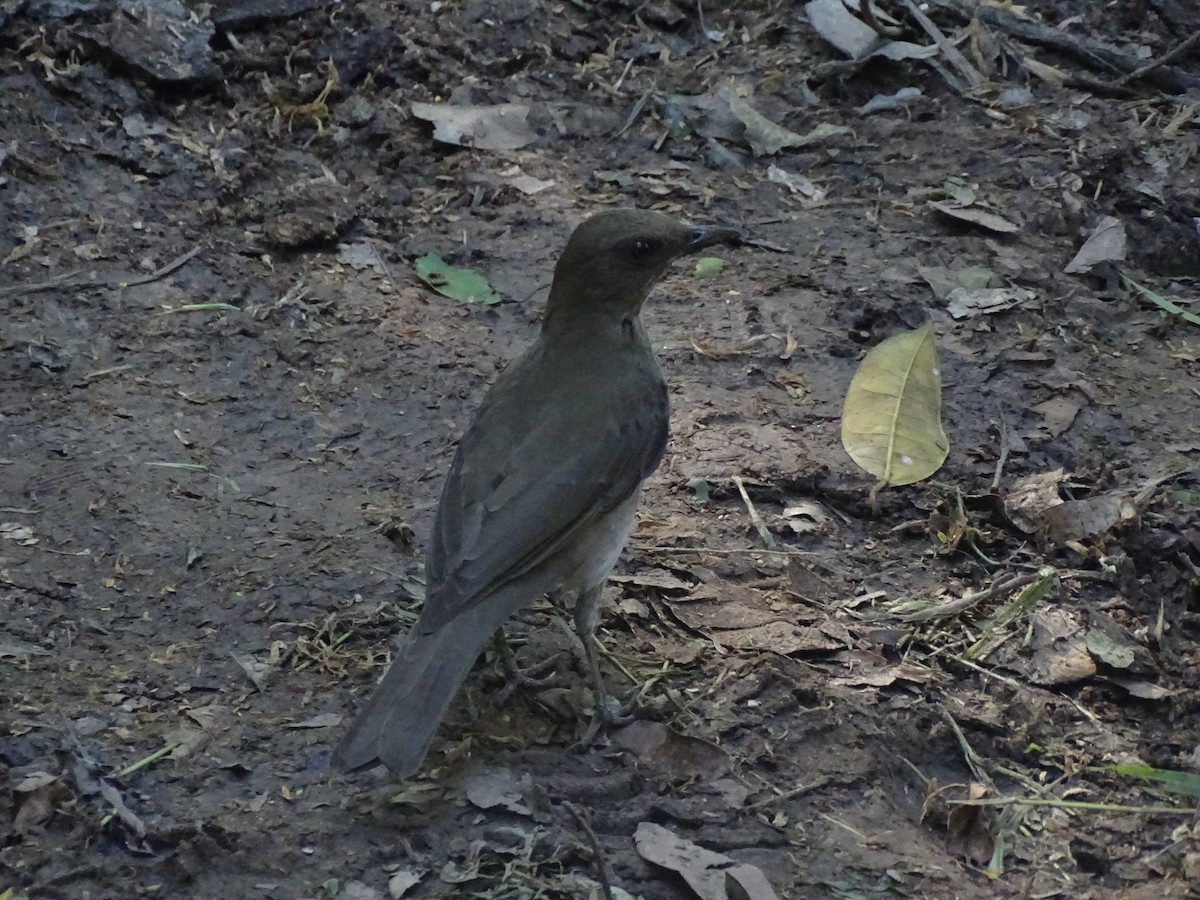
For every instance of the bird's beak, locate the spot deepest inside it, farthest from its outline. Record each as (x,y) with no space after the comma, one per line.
(706,235)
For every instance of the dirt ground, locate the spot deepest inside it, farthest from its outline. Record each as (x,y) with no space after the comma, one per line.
(227,405)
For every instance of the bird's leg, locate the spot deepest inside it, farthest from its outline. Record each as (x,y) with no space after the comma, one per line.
(607,710)
(516,677)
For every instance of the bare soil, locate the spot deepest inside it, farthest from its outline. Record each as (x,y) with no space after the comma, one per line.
(222,434)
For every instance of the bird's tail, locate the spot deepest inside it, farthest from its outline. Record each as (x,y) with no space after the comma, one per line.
(399,721)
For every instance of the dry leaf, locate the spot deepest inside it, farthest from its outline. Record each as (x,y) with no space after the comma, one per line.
(704,871)
(968,829)
(1031,496)
(1058,414)
(1060,654)
(962,303)
(664,748)
(499,127)
(1107,244)
(974,215)
(1073,520)
(499,787)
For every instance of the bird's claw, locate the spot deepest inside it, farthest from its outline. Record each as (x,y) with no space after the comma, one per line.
(608,713)
(531,679)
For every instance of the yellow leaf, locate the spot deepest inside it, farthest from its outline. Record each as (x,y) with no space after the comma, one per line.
(891,422)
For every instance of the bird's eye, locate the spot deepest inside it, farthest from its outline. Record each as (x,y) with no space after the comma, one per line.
(643,248)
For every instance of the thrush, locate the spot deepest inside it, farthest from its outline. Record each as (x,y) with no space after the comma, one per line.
(541,494)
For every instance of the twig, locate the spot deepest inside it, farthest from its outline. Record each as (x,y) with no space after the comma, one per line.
(1077,804)
(974,761)
(953,56)
(759,525)
(597,851)
(1094,54)
(177,263)
(720,551)
(1005,446)
(100,373)
(57,281)
(63,281)
(1174,53)
(971,599)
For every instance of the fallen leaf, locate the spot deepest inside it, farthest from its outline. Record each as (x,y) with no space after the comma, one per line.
(324,720)
(968,828)
(795,184)
(666,749)
(502,126)
(1060,654)
(902,99)
(1058,413)
(1109,650)
(1106,244)
(454,282)
(764,136)
(975,216)
(401,881)
(1073,520)
(943,281)
(1031,496)
(1145,690)
(529,185)
(891,419)
(499,787)
(962,303)
(361,255)
(704,871)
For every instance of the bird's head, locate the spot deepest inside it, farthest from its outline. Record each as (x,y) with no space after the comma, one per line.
(614,258)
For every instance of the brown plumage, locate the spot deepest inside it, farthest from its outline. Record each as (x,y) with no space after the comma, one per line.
(543,488)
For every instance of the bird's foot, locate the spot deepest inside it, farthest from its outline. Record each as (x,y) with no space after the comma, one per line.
(608,713)
(532,679)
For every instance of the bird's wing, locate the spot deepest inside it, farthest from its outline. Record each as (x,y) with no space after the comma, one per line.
(543,458)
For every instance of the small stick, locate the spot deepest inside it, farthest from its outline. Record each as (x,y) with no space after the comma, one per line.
(1174,53)
(177,263)
(64,281)
(971,599)
(759,525)
(953,56)
(597,851)
(1004,448)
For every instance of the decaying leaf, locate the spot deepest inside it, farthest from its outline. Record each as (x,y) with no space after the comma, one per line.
(402,881)
(1058,414)
(1106,244)
(499,787)
(891,420)
(502,126)
(963,303)
(1031,496)
(968,830)
(1073,520)
(463,285)
(663,748)
(1110,649)
(975,216)
(361,255)
(1060,653)
(764,136)
(858,40)
(795,183)
(704,871)
(943,280)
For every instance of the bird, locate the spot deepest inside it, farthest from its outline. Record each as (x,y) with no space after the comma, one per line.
(541,495)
